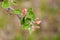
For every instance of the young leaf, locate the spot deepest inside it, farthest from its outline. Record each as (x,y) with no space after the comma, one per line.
(5,4)
(28,20)
(25,22)
(17,11)
(26,26)
(31,14)
(14,2)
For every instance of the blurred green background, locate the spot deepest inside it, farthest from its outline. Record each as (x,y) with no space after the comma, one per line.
(47,10)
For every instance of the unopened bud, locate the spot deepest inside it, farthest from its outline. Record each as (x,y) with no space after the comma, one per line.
(38,22)
(37,18)
(24,11)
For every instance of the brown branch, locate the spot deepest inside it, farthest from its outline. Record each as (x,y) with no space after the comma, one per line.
(18,16)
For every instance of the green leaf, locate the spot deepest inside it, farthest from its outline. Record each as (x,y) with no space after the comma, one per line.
(28,20)
(17,11)
(5,4)
(31,14)
(25,22)
(26,26)
(14,2)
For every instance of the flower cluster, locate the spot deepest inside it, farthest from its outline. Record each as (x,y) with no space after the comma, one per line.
(33,22)
(27,17)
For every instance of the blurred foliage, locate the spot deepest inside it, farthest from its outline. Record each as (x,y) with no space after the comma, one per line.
(46,38)
(18,37)
(2,22)
(51,9)
(56,37)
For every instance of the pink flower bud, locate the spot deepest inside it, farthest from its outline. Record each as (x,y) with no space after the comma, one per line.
(38,22)
(24,11)
(37,18)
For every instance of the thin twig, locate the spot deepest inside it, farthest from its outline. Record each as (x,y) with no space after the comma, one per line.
(19,16)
